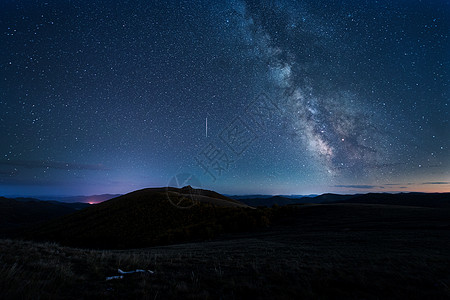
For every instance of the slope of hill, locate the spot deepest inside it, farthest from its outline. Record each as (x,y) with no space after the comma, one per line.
(19,213)
(147,217)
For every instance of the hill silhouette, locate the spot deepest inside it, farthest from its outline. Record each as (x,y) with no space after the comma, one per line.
(23,212)
(149,217)
(158,216)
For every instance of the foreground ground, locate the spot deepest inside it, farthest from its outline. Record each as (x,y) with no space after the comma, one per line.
(343,251)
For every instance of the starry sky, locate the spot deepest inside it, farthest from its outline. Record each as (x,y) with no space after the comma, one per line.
(241,97)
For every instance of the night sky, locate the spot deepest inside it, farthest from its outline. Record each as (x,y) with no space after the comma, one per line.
(269,97)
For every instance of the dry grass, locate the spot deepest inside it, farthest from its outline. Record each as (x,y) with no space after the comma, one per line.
(332,261)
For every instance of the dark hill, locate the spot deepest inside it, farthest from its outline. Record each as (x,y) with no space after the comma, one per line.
(147,217)
(23,212)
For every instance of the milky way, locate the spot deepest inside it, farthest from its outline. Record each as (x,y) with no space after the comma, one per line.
(337,127)
(108,97)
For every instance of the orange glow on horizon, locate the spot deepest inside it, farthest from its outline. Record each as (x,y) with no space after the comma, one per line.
(407,188)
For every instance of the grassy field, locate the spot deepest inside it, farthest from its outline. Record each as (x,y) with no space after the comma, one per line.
(315,252)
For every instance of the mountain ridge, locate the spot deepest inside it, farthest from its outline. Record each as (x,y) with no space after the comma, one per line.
(408,199)
(151,216)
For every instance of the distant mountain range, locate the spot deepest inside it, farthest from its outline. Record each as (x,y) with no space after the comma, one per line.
(158,215)
(268,201)
(261,196)
(92,199)
(84,199)
(404,199)
(433,200)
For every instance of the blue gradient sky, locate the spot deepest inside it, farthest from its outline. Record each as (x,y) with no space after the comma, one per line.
(311,97)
